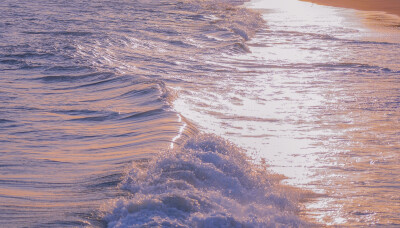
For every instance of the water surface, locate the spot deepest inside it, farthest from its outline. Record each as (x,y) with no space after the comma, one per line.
(105,109)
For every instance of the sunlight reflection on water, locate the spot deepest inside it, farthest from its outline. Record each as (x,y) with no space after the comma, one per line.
(318,100)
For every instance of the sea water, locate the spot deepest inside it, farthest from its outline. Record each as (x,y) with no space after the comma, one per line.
(118,114)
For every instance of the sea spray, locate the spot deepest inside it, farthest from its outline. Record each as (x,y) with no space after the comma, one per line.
(207,182)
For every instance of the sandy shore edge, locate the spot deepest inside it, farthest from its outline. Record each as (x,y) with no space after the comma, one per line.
(388,6)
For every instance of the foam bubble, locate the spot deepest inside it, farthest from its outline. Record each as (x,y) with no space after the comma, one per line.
(207,182)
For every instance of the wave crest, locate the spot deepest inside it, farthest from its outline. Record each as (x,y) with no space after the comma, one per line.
(208,182)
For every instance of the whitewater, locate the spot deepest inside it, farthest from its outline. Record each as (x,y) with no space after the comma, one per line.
(192,113)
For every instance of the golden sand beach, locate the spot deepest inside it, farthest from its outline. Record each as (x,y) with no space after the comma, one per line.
(389,6)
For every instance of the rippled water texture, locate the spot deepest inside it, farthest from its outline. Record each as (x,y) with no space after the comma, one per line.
(104,105)
(83,93)
(67,127)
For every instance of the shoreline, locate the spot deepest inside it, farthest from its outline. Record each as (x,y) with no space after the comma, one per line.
(388,6)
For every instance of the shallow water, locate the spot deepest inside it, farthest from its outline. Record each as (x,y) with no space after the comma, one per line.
(87,88)
(318,101)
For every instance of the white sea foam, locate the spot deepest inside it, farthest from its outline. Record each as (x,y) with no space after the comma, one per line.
(208,182)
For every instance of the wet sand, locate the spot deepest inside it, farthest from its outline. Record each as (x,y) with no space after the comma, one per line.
(389,6)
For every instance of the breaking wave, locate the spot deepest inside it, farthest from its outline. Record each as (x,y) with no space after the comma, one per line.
(206,182)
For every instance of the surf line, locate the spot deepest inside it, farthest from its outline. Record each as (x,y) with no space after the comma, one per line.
(181,129)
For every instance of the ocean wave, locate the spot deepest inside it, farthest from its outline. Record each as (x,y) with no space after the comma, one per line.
(159,46)
(206,182)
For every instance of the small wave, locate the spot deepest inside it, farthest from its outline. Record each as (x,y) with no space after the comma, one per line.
(207,182)
(59,33)
(368,42)
(112,115)
(145,114)
(238,48)
(28,54)
(308,35)
(67,69)
(68,78)
(12,62)
(5,121)
(359,67)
